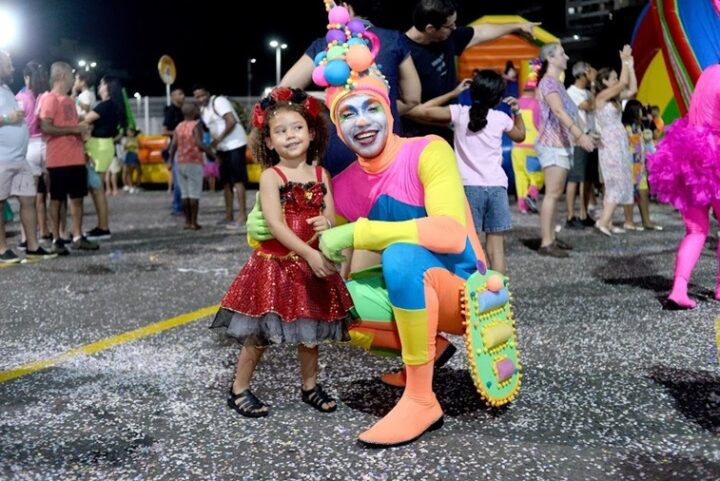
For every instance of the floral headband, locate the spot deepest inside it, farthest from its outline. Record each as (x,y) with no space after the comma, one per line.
(284,95)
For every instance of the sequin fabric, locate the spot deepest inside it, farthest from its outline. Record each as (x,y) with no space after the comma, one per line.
(276,297)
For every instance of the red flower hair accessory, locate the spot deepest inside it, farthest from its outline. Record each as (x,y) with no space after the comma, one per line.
(284,95)
(312,106)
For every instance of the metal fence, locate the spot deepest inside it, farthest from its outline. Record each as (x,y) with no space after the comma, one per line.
(149,111)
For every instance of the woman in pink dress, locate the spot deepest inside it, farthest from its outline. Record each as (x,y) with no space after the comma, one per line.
(614,153)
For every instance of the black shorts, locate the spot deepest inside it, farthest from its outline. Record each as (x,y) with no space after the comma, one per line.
(41,187)
(585,166)
(233,167)
(68,182)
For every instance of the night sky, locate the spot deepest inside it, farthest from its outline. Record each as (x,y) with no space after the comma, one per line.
(208,43)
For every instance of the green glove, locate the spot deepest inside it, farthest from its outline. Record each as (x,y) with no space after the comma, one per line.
(257,227)
(333,241)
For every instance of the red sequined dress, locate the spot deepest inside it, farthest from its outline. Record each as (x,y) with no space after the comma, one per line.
(276,298)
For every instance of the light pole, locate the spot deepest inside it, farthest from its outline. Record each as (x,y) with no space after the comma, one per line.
(86,65)
(278,47)
(249,68)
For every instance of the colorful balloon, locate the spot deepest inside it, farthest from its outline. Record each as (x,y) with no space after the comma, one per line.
(318,76)
(335,36)
(356,27)
(359,58)
(320,57)
(337,72)
(338,15)
(335,52)
(356,41)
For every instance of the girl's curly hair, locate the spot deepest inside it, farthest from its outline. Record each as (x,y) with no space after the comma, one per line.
(294,100)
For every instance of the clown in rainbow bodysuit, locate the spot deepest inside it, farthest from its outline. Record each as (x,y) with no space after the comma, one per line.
(403,198)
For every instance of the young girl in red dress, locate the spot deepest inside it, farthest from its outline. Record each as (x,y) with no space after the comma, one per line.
(288,292)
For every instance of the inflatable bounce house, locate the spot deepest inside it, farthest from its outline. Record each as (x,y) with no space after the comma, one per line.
(155,171)
(673,41)
(152,164)
(494,55)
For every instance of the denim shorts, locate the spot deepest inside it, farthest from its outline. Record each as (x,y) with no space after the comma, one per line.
(490,208)
(559,156)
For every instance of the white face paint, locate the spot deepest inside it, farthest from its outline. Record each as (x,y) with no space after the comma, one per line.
(364,124)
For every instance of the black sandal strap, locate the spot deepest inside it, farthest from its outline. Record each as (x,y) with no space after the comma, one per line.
(316,397)
(249,407)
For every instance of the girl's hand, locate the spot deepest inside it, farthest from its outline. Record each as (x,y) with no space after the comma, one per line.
(319,223)
(512,103)
(463,85)
(320,266)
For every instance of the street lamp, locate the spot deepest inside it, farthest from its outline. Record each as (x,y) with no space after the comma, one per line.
(8,28)
(278,47)
(86,65)
(249,69)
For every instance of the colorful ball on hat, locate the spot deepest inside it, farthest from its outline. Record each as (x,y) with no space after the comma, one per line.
(356,27)
(336,36)
(320,57)
(337,72)
(494,283)
(335,52)
(318,76)
(355,41)
(359,58)
(338,15)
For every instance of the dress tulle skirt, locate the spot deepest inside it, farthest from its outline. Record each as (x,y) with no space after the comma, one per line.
(685,169)
(278,300)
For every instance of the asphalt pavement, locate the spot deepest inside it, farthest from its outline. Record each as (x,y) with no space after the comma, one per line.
(614,387)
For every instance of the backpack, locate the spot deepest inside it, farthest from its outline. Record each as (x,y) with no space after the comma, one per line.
(241,113)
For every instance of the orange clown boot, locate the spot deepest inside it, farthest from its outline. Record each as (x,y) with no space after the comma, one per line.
(417,412)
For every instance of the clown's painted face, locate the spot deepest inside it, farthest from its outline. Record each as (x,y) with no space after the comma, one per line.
(363,124)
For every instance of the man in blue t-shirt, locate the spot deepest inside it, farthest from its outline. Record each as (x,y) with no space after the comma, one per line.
(434,41)
(395,63)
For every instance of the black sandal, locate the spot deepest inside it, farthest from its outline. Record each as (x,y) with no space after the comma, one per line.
(250,405)
(316,397)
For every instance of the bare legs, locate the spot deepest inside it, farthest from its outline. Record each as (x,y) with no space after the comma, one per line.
(554,185)
(495,246)
(250,356)
(101,207)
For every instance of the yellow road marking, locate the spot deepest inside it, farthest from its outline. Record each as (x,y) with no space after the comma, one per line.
(23,261)
(107,343)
